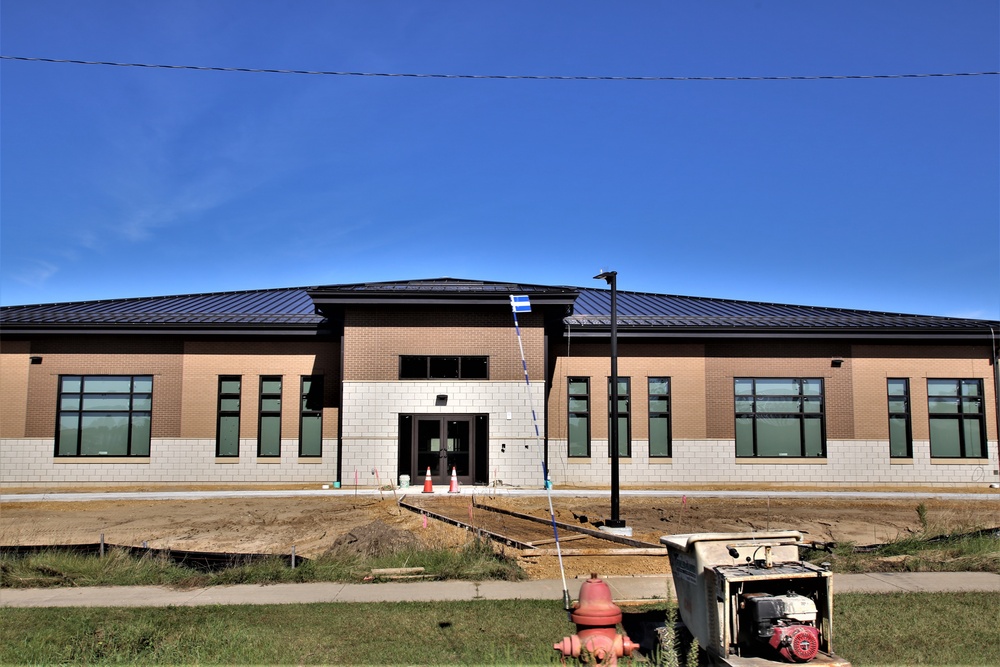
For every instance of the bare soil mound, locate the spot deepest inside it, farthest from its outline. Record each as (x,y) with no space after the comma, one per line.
(375,540)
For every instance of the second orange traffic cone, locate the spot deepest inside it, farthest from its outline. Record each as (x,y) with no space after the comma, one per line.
(428,486)
(453,487)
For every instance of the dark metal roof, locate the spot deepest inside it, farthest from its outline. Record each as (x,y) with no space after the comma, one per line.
(444,285)
(294,310)
(439,291)
(280,309)
(645,314)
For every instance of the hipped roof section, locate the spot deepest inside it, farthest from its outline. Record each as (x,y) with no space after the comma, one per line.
(585,312)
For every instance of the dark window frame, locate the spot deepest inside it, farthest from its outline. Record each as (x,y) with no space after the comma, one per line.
(133,449)
(803,416)
(222,413)
(466,367)
(269,414)
(960,416)
(625,414)
(310,406)
(659,414)
(905,414)
(580,414)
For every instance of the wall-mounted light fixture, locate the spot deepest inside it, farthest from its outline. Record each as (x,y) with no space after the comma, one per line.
(836,363)
(442,399)
(35,360)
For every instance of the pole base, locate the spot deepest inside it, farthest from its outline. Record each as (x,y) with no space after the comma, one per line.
(616,528)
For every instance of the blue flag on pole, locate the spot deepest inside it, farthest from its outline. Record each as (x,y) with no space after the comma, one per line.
(520,304)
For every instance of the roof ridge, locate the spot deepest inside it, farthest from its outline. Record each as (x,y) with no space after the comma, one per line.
(442,280)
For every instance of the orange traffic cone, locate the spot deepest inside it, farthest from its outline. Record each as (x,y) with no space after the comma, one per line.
(453,487)
(428,487)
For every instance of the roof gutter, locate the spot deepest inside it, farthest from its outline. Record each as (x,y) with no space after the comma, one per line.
(122,330)
(723,333)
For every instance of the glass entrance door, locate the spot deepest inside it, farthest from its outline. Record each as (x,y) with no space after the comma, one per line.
(458,448)
(443,443)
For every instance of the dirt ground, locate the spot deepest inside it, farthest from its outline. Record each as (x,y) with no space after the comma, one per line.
(311,523)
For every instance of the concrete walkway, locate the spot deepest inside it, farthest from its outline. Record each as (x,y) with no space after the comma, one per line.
(983,493)
(622,588)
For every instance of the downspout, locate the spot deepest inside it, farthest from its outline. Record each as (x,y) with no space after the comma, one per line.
(996,404)
(546,391)
(340,415)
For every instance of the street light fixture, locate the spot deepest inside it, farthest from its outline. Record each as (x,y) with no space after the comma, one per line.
(615,524)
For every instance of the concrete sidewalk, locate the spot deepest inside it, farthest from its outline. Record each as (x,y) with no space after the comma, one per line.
(983,493)
(623,589)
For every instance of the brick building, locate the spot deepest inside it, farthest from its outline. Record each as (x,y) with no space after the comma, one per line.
(371,381)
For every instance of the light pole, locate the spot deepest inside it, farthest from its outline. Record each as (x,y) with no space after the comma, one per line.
(614,523)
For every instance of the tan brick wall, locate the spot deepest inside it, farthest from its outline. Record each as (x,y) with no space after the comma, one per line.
(14,370)
(185,380)
(105,355)
(205,361)
(777,358)
(375,338)
(873,364)
(683,363)
(702,382)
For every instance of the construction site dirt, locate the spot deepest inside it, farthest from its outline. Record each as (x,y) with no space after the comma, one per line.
(312,523)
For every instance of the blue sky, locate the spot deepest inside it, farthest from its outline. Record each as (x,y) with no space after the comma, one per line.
(872,194)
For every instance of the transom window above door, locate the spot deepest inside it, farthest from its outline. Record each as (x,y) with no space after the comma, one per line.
(442,367)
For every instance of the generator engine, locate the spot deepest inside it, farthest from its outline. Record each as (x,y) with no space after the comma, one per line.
(785,622)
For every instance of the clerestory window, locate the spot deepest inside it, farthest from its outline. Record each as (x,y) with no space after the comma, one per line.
(442,367)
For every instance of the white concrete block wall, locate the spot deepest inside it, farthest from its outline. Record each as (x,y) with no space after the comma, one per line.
(514,461)
(31,463)
(695,462)
(370,415)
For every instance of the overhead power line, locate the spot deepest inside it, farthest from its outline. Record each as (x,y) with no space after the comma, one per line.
(535,77)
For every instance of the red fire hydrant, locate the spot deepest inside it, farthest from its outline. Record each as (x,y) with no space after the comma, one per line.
(596,640)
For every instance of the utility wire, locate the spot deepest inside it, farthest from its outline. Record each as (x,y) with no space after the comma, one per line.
(535,77)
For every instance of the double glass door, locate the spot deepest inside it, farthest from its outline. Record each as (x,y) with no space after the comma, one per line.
(443,443)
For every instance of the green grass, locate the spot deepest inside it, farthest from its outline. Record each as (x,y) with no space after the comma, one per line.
(952,546)
(917,553)
(483,632)
(871,629)
(475,561)
(918,628)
